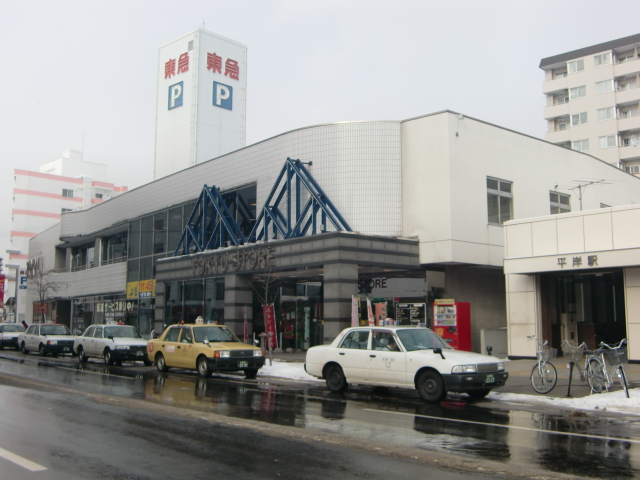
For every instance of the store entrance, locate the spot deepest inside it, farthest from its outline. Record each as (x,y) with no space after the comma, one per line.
(583,308)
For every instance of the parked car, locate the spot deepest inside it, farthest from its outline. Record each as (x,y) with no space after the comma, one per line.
(46,338)
(405,357)
(113,343)
(205,348)
(9,335)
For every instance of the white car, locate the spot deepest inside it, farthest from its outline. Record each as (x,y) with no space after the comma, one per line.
(112,343)
(9,335)
(405,357)
(46,338)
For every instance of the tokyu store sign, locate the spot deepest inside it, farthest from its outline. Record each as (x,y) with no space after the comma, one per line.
(201,104)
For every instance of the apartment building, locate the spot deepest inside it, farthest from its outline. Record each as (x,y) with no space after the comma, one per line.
(592,101)
(39,198)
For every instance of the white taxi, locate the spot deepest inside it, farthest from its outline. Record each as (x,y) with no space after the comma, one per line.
(405,357)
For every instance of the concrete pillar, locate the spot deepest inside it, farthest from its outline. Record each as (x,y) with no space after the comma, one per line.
(340,283)
(159,306)
(238,294)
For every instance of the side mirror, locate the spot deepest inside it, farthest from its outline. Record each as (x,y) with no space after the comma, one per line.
(438,351)
(205,341)
(257,343)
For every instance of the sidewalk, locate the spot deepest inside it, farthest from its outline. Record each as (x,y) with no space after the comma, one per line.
(519,371)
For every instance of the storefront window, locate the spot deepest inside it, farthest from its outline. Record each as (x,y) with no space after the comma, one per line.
(214,300)
(193,300)
(146,236)
(160,232)
(173,302)
(175,228)
(134,239)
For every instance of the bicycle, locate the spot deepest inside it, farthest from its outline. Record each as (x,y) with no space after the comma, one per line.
(594,370)
(600,378)
(543,374)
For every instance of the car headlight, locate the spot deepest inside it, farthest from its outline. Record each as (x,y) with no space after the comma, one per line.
(464,369)
(52,342)
(501,367)
(221,354)
(121,347)
(6,338)
(257,353)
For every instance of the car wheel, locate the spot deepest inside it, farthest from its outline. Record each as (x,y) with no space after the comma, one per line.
(23,347)
(81,356)
(108,357)
(42,351)
(203,367)
(479,393)
(161,365)
(250,372)
(430,386)
(336,381)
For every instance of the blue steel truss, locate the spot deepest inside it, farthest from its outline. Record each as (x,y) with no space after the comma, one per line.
(211,224)
(286,219)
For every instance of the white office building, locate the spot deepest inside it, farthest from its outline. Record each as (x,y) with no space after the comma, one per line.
(39,199)
(592,101)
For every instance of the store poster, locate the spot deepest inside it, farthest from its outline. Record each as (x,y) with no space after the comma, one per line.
(269,314)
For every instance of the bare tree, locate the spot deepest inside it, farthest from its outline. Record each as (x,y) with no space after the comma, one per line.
(266,286)
(43,282)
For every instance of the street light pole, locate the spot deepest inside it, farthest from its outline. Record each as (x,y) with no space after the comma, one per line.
(15,297)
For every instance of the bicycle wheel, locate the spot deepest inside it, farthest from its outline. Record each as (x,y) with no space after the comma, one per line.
(596,376)
(623,380)
(543,377)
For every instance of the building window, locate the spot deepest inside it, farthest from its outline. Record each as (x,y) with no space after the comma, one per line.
(562,99)
(559,203)
(577,92)
(561,74)
(575,66)
(602,59)
(98,195)
(580,145)
(634,169)
(605,86)
(629,113)
(67,210)
(606,113)
(630,141)
(607,141)
(627,86)
(68,193)
(579,119)
(499,201)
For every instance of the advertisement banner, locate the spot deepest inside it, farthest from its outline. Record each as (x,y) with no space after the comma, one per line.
(381,313)
(269,314)
(2,278)
(355,311)
(372,320)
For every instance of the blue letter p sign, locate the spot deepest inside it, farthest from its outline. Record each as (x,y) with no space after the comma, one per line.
(175,95)
(222,95)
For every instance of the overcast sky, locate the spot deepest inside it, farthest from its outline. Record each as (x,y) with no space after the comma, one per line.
(81,74)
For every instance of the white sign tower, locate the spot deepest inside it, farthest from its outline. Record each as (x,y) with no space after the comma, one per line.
(201,103)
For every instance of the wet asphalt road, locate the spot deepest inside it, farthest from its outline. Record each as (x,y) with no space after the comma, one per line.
(499,438)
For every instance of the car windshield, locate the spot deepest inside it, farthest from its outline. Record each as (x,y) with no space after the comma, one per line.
(214,334)
(54,330)
(421,339)
(121,332)
(11,328)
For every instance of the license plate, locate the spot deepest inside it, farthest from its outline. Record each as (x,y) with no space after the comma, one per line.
(489,379)
(139,354)
(242,364)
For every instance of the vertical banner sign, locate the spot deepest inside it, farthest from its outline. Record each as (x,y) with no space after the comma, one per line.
(355,307)
(372,320)
(269,314)
(244,329)
(381,313)
(2,277)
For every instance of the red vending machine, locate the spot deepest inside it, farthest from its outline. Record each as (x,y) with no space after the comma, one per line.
(452,321)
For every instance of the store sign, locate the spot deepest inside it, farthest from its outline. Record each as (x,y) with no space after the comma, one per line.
(233,262)
(141,289)
(222,95)
(175,95)
(576,262)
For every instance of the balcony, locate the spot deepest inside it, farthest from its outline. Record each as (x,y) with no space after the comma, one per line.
(630,153)
(553,86)
(626,68)
(627,124)
(554,111)
(628,96)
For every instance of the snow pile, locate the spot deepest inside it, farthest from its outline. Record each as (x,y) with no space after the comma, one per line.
(294,371)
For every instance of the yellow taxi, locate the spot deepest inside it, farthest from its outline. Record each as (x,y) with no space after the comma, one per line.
(206,348)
